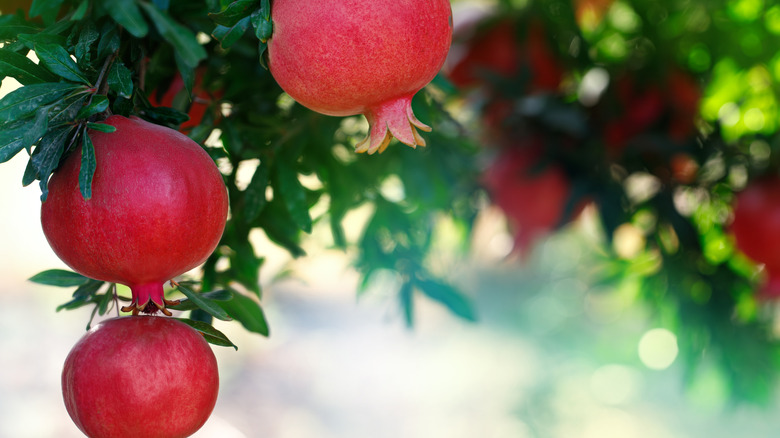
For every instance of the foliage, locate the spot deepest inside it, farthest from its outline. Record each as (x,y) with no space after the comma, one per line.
(279,159)
(655,117)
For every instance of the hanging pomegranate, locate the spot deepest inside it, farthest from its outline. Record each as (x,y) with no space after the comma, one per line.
(342,58)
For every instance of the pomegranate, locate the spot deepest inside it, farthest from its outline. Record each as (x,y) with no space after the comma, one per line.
(532,197)
(756,228)
(503,49)
(140,376)
(175,96)
(158,209)
(366,57)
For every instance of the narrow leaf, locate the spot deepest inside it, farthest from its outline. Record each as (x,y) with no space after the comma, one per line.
(293,193)
(101,127)
(248,312)
(262,25)
(23,69)
(37,128)
(205,304)
(58,60)
(26,100)
(50,150)
(217,295)
(233,13)
(227,36)
(120,79)
(98,105)
(11,143)
(254,195)
(59,277)
(89,34)
(88,165)
(103,302)
(128,15)
(212,335)
(449,296)
(180,37)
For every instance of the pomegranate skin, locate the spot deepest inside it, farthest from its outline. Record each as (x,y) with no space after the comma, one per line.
(140,376)
(348,57)
(158,209)
(756,229)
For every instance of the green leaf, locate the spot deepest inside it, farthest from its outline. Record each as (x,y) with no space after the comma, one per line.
(36,128)
(248,312)
(47,9)
(109,40)
(47,158)
(59,278)
(65,112)
(103,302)
(263,25)
(181,38)
(227,36)
(101,127)
(217,295)
(233,13)
(11,143)
(165,116)
(98,105)
(212,335)
(254,195)
(11,26)
(23,69)
(289,188)
(406,295)
(24,101)
(205,304)
(88,165)
(128,15)
(58,60)
(80,11)
(449,296)
(120,79)
(83,295)
(87,37)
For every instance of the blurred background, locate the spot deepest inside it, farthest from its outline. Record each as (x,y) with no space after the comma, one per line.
(601,292)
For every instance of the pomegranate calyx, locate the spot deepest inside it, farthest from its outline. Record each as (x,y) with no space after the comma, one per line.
(392,119)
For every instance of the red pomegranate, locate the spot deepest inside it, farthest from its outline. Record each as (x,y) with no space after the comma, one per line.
(346,57)
(756,228)
(158,209)
(532,196)
(502,49)
(175,96)
(140,376)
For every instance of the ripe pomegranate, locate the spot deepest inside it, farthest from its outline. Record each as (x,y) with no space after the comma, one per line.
(361,56)
(140,376)
(502,48)
(158,209)
(756,228)
(532,197)
(175,96)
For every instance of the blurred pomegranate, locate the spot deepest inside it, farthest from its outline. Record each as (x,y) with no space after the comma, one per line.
(756,229)
(532,194)
(504,48)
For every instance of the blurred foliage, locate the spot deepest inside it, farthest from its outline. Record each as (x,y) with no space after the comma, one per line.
(656,113)
(660,113)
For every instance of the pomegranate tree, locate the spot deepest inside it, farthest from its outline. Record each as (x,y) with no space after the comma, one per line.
(361,57)
(756,228)
(140,376)
(158,209)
